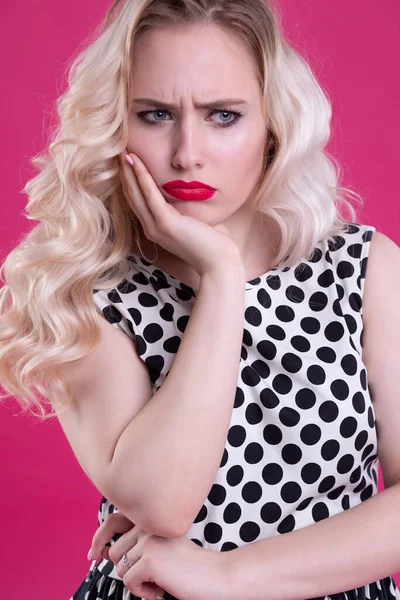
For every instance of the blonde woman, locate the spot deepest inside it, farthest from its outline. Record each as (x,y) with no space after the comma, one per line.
(201,319)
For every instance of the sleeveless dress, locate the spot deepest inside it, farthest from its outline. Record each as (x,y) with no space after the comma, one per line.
(302,442)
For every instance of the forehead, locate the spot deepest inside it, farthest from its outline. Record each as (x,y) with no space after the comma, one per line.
(193,58)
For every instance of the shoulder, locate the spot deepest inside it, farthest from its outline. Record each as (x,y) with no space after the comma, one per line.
(381,335)
(382,278)
(381,309)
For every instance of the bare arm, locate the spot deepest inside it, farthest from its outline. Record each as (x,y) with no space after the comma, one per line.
(167,457)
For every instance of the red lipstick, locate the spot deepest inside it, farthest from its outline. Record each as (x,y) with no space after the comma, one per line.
(189,190)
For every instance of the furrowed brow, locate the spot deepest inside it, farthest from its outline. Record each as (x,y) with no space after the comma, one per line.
(223,101)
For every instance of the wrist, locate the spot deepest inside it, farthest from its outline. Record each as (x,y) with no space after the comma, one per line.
(232,271)
(227,569)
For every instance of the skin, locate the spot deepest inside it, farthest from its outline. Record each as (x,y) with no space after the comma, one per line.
(203,64)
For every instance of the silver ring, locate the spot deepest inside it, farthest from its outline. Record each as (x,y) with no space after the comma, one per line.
(126,561)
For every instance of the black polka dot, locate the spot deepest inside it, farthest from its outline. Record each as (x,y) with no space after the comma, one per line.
(268,398)
(291,454)
(315,256)
(328,411)
(249,532)
(212,533)
(300,343)
(334,331)
(305,398)
(345,463)
(253,316)
(254,414)
(310,434)
(355,301)
(152,333)
(326,279)
(349,364)
(288,524)
(318,301)
(217,494)
(326,354)
(289,416)
(264,299)
(272,435)
(236,435)
(271,512)
(290,492)
(310,473)
(282,384)
(336,243)
(320,511)
(276,332)
(348,427)
(267,349)
(359,403)
(254,453)
(354,250)
(251,492)
(330,449)
(291,362)
(274,282)
(250,377)
(285,313)
(345,269)
(272,473)
(232,513)
(234,475)
(310,325)
(316,374)
(294,294)
(303,272)
(340,389)
(261,368)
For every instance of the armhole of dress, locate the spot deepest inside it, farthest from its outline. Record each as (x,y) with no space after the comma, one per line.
(116,313)
(365,247)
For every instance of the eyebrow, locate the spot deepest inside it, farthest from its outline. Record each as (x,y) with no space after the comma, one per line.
(223,101)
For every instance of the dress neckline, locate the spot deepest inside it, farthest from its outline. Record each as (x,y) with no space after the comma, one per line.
(158,272)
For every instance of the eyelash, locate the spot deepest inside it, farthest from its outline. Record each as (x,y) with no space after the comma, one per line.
(237,114)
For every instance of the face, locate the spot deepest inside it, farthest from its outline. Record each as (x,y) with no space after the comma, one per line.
(183,67)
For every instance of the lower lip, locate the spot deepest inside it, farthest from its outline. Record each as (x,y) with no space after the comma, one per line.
(187,194)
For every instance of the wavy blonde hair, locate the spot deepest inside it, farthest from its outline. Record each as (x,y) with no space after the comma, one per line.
(85,227)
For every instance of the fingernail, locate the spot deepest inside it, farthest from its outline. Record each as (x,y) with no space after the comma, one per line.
(128,158)
(90,554)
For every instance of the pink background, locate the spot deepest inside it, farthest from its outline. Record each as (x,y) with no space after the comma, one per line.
(48,505)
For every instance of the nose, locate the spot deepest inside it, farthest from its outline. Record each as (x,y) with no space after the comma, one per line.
(187,144)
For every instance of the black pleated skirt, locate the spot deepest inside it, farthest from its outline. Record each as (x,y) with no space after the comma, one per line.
(100,586)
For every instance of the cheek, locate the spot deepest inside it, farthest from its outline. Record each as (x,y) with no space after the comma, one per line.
(248,157)
(246,145)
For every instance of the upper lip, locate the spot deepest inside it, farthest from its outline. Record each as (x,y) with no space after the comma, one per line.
(191,185)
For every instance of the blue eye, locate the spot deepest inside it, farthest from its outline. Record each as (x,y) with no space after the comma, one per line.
(237,114)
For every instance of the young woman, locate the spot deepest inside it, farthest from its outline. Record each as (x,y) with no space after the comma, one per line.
(202,321)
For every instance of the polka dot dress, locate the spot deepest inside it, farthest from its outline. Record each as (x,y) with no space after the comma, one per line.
(302,442)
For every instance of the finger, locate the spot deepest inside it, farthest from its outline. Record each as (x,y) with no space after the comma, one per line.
(135,197)
(135,577)
(114,523)
(124,545)
(131,552)
(152,195)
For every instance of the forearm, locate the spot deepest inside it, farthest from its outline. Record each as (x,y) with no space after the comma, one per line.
(169,454)
(337,554)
